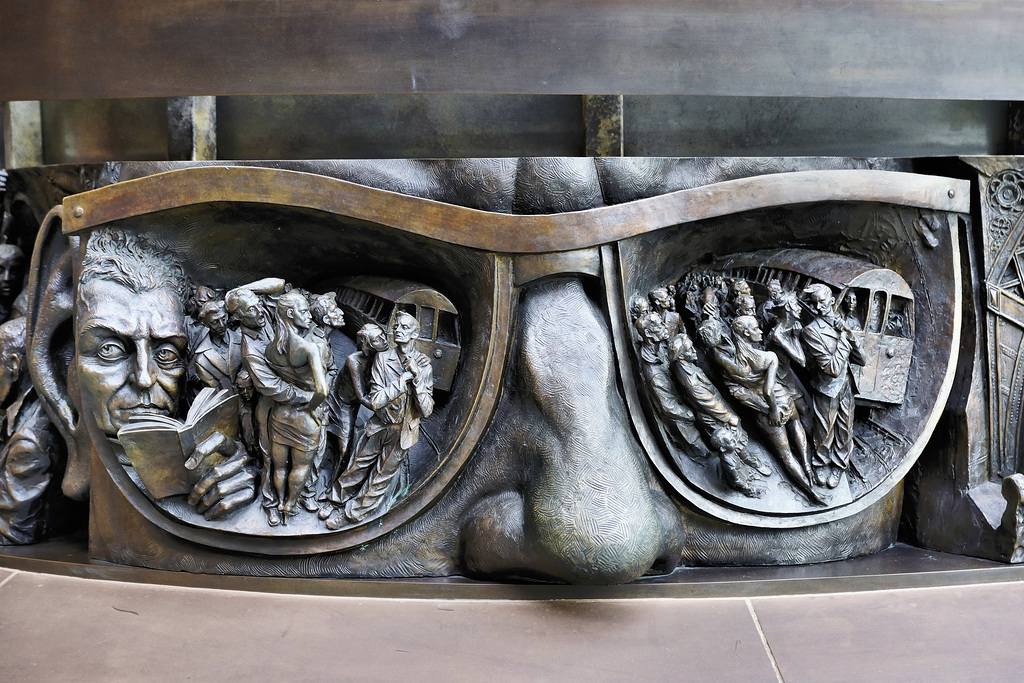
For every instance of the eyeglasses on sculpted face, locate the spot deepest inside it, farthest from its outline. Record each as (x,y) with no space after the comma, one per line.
(465,377)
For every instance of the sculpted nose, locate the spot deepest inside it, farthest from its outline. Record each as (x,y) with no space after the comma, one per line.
(587,508)
(144,376)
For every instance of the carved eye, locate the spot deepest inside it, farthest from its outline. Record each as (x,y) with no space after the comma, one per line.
(112,351)
(167,355)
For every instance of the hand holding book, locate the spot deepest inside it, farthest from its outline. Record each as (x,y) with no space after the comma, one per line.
(228,479)
(200,457)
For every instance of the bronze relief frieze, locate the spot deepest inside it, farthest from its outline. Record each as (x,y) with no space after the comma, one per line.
(290,356)
(970,488)
(782,386)
(562,369)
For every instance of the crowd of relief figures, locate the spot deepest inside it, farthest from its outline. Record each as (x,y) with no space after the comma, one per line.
(765,375)
(32,454)
(292,407)
(611,393)
(332,429)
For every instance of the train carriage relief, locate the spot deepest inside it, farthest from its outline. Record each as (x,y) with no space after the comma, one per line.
(370,299)
(778,378)
(877,304)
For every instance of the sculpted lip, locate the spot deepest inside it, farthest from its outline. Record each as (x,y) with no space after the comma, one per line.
(143,409)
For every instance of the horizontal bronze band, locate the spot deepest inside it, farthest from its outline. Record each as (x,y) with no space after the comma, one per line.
(898,567)
(503,232)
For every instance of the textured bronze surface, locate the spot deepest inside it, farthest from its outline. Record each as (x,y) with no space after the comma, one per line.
(900,566)
(469,410)
(530,466)
(968,492)
(862,234)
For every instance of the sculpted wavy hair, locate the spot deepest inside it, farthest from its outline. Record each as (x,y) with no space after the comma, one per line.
(133,261)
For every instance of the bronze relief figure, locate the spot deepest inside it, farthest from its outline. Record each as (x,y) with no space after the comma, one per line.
(601,385)
(811,349)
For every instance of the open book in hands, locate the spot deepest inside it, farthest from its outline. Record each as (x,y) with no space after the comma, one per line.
(158,446)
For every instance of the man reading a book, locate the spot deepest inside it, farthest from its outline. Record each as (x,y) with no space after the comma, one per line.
(130,357)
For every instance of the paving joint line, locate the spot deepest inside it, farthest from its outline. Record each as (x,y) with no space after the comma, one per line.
(14,572)
(764,641)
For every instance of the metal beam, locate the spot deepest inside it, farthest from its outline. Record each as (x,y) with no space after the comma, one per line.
(602,116)
(192,128)
(947,49)
(23,134)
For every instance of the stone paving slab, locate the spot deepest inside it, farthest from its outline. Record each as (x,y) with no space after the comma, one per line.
(64,628)
(961,633)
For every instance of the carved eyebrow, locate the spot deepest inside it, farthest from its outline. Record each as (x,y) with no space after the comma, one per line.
(98,326)
(179,338)
(104,327)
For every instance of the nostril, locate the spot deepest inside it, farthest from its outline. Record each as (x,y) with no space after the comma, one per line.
(576,503)
(589,508)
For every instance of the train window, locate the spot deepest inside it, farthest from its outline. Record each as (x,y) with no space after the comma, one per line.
(356,299)
(425,317)
(447,330)
(854,308)
(377,311)
(900,321)
(876,312)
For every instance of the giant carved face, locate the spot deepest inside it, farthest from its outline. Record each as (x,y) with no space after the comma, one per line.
(553,470)
(130,352)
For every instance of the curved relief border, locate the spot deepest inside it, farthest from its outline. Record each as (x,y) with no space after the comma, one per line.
(509,234)
(503,232)
(436,482)
(614,277)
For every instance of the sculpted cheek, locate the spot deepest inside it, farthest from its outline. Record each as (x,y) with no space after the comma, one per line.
(98,377)
(98,385)
(168,380)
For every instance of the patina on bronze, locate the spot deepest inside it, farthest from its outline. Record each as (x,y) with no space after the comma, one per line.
(970,491)
(726,299)
(558,486)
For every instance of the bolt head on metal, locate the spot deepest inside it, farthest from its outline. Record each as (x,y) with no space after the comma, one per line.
(952,193)
(79,212)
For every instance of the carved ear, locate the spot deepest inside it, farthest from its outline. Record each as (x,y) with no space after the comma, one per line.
(50,339)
